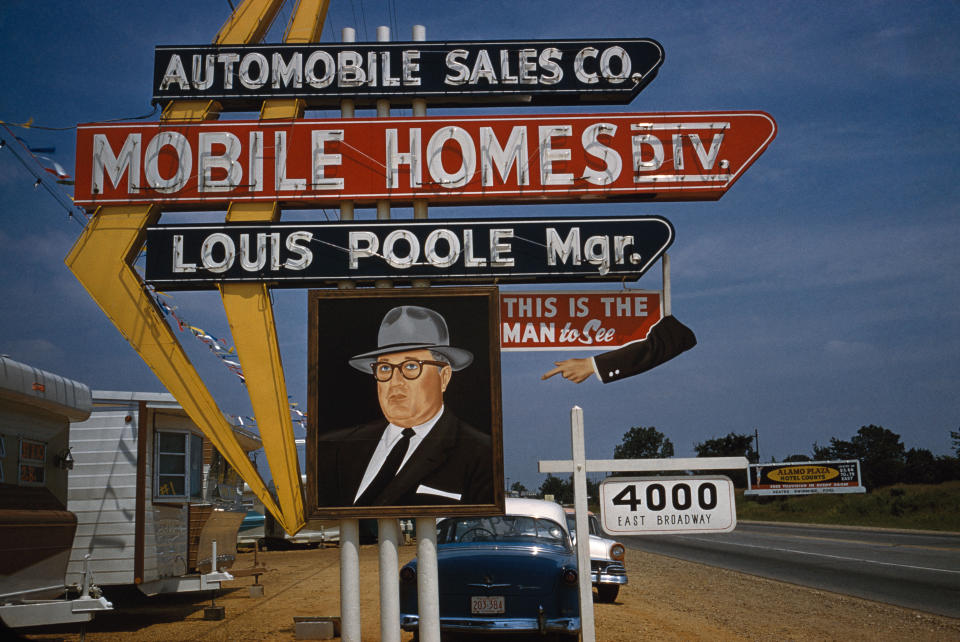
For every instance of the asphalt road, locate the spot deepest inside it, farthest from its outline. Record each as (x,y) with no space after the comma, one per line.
(917,570)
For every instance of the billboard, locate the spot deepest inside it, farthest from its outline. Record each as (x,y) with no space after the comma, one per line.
(803,478)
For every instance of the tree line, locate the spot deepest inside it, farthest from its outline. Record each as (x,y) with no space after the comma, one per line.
(884,460)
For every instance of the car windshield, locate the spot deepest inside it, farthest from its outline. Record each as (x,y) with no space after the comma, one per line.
(572,524)
(505,528)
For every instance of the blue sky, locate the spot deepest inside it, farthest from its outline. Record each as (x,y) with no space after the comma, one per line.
(824,287)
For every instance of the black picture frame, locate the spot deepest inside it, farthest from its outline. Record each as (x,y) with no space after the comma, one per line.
(345,323)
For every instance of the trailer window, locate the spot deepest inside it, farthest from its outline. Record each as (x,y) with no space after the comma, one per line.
(179,466)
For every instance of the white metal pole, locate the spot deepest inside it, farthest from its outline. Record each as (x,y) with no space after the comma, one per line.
(347,110)
(587,629)
(350,617)
(350,622)
(428,583)
(419,108)
(383,111)
(389,537)
(388,531)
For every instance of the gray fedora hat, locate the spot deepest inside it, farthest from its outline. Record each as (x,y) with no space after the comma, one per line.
(411,327)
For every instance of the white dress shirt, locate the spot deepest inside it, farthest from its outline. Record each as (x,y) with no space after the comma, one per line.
(388,439)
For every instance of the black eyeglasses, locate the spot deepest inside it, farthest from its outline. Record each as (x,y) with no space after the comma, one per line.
(409,368)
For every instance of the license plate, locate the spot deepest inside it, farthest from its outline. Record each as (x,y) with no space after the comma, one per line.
(487,604)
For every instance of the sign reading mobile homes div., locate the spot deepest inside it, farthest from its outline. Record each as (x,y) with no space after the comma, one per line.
(807,477)
(477,159)
(580,320)
(500,72)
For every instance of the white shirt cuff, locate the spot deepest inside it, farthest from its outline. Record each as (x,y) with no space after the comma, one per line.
(593,363)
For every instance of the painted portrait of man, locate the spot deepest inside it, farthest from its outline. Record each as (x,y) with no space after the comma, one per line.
(427,431)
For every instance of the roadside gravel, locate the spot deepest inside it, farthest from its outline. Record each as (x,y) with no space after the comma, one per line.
(666,599)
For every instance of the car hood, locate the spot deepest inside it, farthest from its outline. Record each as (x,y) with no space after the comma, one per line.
(502,569)
(600,547)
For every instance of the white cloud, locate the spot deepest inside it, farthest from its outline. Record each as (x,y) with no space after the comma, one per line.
(851,352)
(32,351)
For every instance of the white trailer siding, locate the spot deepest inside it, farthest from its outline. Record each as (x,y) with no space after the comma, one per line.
(103,496)
(176,525)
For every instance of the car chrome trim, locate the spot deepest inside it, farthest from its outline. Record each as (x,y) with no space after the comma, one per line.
(608,579)
(552,625)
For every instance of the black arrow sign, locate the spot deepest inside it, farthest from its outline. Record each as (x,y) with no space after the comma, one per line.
(498,72)
(526,250)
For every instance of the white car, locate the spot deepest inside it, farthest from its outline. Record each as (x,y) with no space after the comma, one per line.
(607,571)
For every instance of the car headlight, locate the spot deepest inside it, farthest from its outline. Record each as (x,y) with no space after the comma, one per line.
(408,575)
(617,551)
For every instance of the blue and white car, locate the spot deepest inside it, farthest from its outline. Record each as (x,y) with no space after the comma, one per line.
(607,571)
(511,573)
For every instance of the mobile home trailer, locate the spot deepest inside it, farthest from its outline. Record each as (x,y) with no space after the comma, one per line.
(155,502)
(36,527)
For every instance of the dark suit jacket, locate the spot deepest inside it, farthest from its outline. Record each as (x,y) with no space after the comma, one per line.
(455,458)
(666,339)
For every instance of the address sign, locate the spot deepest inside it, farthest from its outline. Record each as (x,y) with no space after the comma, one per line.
(659,505)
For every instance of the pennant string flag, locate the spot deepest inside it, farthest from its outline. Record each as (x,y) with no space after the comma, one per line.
(225,352)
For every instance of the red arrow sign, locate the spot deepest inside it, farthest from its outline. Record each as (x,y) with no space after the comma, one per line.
(579,320)
(463,160)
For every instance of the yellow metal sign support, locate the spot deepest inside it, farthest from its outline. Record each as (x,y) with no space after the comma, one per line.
(102,259)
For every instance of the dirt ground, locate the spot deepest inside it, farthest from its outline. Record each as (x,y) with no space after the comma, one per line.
(666,599)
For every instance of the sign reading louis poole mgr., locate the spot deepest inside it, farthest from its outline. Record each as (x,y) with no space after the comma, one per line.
(662,505)
(516,250)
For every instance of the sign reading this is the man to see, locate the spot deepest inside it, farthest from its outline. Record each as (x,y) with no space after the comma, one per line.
(581,320)
(504,72)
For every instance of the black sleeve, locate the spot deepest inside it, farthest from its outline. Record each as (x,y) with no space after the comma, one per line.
(666,339)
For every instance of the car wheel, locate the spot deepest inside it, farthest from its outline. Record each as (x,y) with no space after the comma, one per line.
(607,593)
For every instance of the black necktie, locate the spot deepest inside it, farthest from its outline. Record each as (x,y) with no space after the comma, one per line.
(388,470)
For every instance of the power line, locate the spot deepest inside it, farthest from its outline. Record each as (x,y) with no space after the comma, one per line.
(37,170)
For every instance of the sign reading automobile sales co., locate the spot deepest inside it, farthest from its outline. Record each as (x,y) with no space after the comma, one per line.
(448,161)
(529,250)
(503,72)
